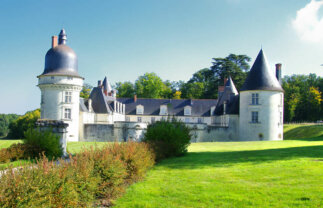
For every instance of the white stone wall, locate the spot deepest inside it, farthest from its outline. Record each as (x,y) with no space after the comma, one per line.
(270,126)
(147,118)
(53,103)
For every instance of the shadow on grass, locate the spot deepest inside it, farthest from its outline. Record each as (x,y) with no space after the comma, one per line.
(194,160)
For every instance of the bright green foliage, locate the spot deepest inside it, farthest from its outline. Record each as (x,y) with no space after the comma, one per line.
(22,124)
(86,90)
(303,95)
(92,178)
(43,142)
(125,89)
(150,86)
(168,138)
(5,120)
(234,174)
(193,90)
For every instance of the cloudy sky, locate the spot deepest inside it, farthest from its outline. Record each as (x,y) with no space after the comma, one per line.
(123,39)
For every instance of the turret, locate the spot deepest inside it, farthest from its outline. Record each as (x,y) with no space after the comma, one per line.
(261,104)
(60,86)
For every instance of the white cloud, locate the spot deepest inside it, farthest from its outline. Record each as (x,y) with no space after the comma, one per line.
(307,23)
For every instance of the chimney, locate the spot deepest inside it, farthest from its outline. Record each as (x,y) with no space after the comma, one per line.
(225,81)
(135,98)
(279,72)
(99,83)
(54,41)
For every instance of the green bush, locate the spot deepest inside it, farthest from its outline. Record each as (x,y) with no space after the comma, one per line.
(92,178)
(13,153)
(168,138)
(43,141)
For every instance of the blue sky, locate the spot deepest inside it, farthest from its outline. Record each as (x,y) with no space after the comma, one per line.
(123,39)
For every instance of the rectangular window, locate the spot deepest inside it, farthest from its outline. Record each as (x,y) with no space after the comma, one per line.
(52,77)
(67,113)
(254,117)
(187,120)
(68,97)
(70,78)
(152,119)
(281,117)
(200,120)
(127,118)
(139,119)
(255,99)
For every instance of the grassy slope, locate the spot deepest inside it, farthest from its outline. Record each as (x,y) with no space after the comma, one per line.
(236,174)
(294,131)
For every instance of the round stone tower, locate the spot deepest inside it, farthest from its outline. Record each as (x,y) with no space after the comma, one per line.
(261,104)
(60,86)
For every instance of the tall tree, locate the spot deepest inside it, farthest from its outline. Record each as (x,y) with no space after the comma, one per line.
(150,86)
(125,89)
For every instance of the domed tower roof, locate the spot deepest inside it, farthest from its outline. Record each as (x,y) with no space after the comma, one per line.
(260,78)
(61,59)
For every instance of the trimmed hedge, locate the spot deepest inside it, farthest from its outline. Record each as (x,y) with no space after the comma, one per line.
(168,138)
(94,177)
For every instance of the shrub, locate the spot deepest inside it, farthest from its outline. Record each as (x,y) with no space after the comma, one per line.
(43,141)
(168,138)
(91,178)
(13,153)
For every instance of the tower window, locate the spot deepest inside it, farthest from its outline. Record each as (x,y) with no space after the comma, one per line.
(254,117)
(67,113)
(255,99)
(68,97)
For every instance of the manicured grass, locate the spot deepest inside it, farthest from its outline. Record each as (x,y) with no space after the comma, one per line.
(301,131)
(75,147)
(235,174)
(8,143)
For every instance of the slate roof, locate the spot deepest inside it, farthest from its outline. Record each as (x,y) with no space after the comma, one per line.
(260,77)
(231,97)
(61,60)
(100,102)
(175,106)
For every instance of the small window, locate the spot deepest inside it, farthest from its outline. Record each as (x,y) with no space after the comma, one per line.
(255,99)
(254,117)
(42,99)
(127,118)
(67,113)
(139,119)
(187,120)
(163,110)
(139,110)
(68,97)
(152,119)
(187,111)
(200,120)
(281,117)
(70,78)
(52,77)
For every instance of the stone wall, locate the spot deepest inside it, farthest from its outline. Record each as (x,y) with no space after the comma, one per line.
(125,131)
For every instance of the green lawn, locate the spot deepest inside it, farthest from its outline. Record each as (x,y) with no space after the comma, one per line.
(235,174)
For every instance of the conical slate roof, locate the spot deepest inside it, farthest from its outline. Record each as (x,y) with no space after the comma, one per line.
(230,96)
(230,91)
(260,77)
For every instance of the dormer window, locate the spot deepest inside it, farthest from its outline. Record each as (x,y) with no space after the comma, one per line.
(255,99)
(163,110)
(187,111)
(140,109)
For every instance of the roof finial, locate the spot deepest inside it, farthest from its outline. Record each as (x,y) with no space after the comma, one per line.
(62,37)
